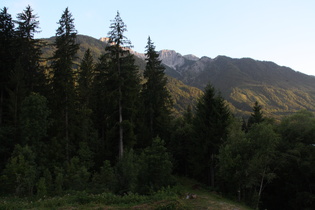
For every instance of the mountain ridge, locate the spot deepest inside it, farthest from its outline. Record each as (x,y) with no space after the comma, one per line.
(241,81)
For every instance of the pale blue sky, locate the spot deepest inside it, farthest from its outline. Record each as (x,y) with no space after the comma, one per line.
(282,31)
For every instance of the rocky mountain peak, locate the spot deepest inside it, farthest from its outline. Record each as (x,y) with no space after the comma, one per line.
(171,58)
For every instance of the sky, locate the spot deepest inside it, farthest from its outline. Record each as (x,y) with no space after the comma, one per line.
(281,31)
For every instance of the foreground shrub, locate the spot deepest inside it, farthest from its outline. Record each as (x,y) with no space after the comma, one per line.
(156,168)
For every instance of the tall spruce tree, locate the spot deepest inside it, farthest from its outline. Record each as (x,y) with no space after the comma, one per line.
(85,78)
(29,49)
(101,106)
(7,35)
(212,117)
(25,74)
(84,129)
(124,79)
(156,98)
(7,64)
(63,79)
(27,23)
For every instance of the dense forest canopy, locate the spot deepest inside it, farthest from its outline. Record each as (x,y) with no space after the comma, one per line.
(105,126)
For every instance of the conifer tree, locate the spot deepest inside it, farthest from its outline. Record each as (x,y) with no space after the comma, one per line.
(256,116)
(181,140)
(34,120)
(155,167)
(28,49)
(85,78)
(63,78)
(123,79)
(101,106)
(7,65)
(84,129)
(211,121)
(27,23)
(6,57)
(16,94)
(25,74)
(156,98)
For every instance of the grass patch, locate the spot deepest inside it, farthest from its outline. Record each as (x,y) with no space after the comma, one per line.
(165,199)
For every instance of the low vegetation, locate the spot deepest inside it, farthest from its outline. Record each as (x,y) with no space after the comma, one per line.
(187,194)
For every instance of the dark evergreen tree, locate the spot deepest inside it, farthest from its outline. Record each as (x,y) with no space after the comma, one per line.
(103,181)
(16,93)
(29,50)
(101,111)
(126,173)
(85,131)
(85,79)
(63,87)
(35,122)
(212,117)
(256,116)
(181,141)
(155,168)
(7,35)
(27,23)
(25,74)
(156,98)
(7,65)
(123,83)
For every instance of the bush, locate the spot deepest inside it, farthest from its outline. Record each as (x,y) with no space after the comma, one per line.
(41,187)
(104,180)
(126,173)
(19,175)
(156,168)
(77,175)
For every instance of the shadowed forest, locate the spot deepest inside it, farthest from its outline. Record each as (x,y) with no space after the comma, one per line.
(107,127)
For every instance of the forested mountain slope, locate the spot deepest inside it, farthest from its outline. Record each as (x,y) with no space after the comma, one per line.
(280,90)
(182,94)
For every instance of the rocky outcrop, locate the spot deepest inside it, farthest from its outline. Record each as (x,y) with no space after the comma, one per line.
(172,58)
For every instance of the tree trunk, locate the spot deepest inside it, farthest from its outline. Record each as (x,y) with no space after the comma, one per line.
(261,187)
(67,129)
(1,105)
(212,170)
(239,193)
(121,143)
(151,121)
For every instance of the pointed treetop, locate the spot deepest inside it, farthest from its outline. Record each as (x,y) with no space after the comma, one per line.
(151,53)
(6,23)
(27,23)
(116,35)
(150,45)
(66,25)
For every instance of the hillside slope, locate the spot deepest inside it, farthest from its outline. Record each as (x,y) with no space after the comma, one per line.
(182,94)
(280,90)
